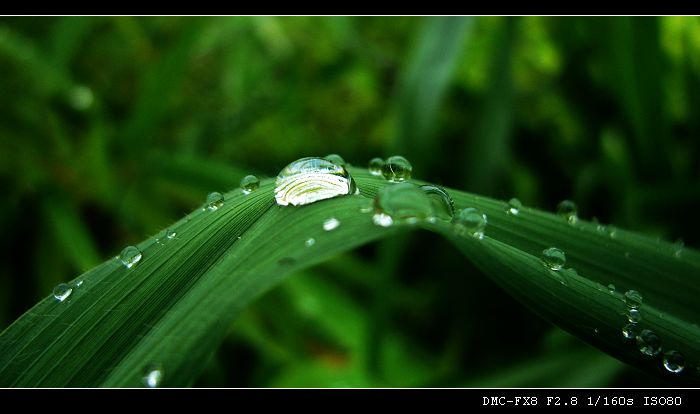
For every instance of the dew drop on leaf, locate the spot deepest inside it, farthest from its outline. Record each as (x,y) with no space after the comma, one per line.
(674,362)
(513,207)
(443,206)
(331,224)
(568,210)
(630,331)
(633,299)
(634,315)
(678,248)
(153,376)
(309,180)
(214,201)
(470,222)
(649,342)
(397,169)
(249,183)
(335,159)
(375,166)
(130,256)
(553,258)
(62,292)
(403,203)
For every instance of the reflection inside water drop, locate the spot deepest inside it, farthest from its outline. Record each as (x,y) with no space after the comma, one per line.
(62,292)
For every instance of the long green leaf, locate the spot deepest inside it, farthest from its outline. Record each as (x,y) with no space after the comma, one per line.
(174,307)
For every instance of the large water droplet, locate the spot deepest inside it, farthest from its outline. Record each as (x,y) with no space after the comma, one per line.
(470,222)
(335,159)
(634,315)
(674,361)
(214,201)
(567,209)
(633,299)
(153,376)
(630,331)
(310,242)
(309,180)
(331,224)
(553,258)
(249,183)
(130,256)
(649,342)
(375,166)
(443,206)
(513,207)
(403,203)
(397,169)
(62,292)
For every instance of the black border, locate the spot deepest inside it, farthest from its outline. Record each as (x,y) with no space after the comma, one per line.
(227,400)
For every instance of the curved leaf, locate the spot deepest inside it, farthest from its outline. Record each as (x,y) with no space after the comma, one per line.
(173,307)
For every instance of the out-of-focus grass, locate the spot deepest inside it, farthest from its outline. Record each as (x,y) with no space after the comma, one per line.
(111,128)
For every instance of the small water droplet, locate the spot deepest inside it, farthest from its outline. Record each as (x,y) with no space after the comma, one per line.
(403,203)
(611,288)
(310,242)
(130,256)
(367,208)
(443,206)
(612,232)
(553,258)
(397,169)
(600,228)
(595,330)
(153,376)
(633,299)
(634,315)
(470,222)
(678,248)
(214,201)
(649,342)
(375,166)
(674,362)
(331,224)
(165,236)
(78,283)
(568,210)
(249,183)
(630,331)
(62,292)
(308,180)
(513,207)
(335,159)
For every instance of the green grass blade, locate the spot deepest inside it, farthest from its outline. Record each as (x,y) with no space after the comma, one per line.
(425,83)
(174,307)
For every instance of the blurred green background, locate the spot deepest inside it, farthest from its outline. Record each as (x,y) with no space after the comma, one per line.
(111,128)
